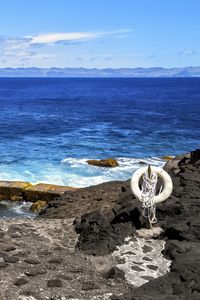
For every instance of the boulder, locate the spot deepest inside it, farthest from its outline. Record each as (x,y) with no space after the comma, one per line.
(38,206)
(107,163)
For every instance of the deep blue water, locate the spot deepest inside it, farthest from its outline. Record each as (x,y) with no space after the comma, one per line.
(50,126)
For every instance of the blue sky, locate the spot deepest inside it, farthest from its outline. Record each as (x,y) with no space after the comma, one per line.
(99,33)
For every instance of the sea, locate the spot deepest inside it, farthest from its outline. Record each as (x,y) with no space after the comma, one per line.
(50,127)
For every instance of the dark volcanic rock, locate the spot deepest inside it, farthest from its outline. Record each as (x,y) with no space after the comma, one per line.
(180,217)
(97,235)
(101,197)
(54,283)
(107,213)
(115,272)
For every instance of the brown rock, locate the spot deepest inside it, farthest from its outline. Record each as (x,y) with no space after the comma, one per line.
(45,192)
(167,157)
(12,190)
(25,191)
(38,206)
(108,163)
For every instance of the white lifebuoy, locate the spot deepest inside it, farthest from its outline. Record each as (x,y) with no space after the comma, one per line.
(167,183)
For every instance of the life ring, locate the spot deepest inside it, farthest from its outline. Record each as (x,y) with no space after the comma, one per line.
(167,183)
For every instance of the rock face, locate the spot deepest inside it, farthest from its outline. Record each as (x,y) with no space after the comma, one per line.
(12,190)
(107,163)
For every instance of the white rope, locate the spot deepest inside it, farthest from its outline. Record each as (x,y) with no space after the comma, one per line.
(147,196)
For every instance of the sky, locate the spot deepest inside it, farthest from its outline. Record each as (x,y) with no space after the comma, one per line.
(99,33)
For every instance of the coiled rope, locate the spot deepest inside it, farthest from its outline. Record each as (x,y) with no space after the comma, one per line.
(148,192)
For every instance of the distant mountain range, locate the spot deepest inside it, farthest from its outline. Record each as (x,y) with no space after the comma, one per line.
(107,72)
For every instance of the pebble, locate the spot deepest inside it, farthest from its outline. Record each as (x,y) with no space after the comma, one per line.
(20,281)
(54,283)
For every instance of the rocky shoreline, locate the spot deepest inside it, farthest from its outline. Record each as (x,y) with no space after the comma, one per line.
(67,253)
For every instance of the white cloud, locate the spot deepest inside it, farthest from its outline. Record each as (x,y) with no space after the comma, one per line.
(51,38)
(27,48)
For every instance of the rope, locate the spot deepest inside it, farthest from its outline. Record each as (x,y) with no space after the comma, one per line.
(147,196)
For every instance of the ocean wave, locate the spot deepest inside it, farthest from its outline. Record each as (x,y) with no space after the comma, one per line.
(73,171)
(90,175)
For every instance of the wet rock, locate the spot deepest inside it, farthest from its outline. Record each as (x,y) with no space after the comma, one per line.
(38,206)
(25,191)
(107,163)
(12,190)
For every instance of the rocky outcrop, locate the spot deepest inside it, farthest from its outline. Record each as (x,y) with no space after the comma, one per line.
(38,206)
(107,163)
(13,190)
(38,259)
(76,203)
(100,231)
(179,217)
(25,191)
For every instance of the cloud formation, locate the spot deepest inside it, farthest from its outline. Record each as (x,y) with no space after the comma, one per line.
(28,47)
(51,38)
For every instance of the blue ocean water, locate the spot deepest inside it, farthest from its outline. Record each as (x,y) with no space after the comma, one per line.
(49,127)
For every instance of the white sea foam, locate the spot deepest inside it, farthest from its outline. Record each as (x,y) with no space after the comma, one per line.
(95,175)
(74,171)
